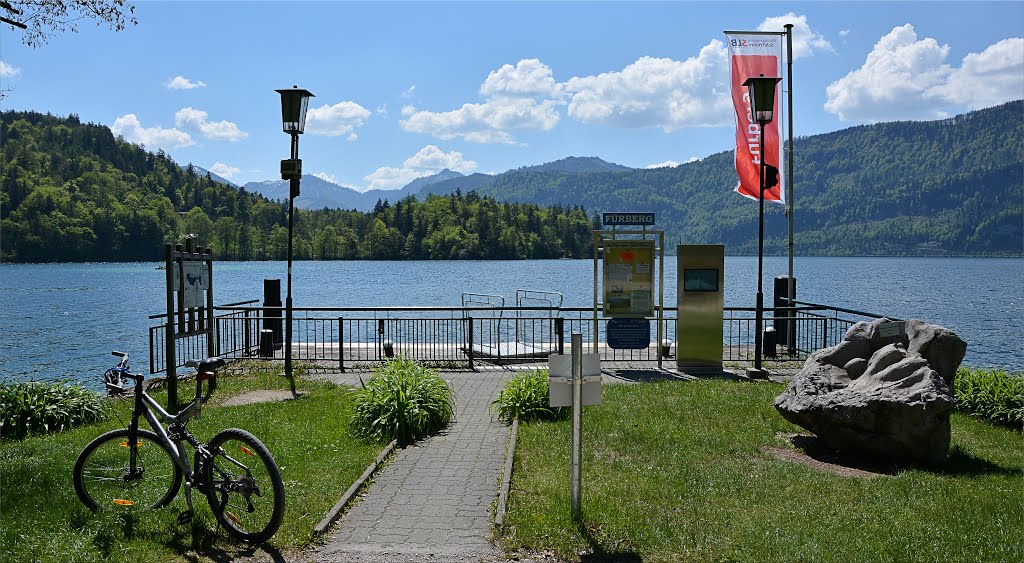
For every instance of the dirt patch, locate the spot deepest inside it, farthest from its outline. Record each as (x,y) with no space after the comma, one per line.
(813,454)
(261,396)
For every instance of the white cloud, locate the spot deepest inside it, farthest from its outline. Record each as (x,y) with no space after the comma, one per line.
(895,82)
(666,164)
(429,160)
(805,41)
(129,127)
(908,78)
(410,92)
(524,96)
(326,177)
(182,83)
(224,170)
(196,121)
(8,71)
(340,119)
(529,78)
(657,92)
(488,122)
(844,32)
(989,78)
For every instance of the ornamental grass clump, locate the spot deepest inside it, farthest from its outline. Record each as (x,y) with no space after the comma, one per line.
(994,395)
(38,407)
(525,398)
(402,401)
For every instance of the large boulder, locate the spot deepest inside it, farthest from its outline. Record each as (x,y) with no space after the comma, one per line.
(886,397)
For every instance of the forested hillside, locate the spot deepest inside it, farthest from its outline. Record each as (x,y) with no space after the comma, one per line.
(953,187)
(73,192)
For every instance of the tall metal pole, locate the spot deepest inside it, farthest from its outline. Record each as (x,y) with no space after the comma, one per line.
(760,259)
(575,478)
(791,325)
(293,189)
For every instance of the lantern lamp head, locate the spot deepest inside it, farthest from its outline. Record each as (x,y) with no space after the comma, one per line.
(762,97)
(294,102)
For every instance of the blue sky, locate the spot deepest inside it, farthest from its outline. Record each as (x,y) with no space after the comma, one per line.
(406,89)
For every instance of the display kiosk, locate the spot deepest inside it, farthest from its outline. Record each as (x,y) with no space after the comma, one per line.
(700,295)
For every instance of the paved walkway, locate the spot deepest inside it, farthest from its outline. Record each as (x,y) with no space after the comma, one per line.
(433,501)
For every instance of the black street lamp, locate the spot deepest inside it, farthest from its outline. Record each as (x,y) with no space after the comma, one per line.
(294,102)
(762,108)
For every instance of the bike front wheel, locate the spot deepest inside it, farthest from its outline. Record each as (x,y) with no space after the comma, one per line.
(245,489)
(106,479)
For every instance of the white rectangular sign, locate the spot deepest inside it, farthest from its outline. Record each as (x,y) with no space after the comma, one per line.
(560,380)
(195,283)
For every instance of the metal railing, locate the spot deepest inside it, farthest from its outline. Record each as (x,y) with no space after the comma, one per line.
(462,337)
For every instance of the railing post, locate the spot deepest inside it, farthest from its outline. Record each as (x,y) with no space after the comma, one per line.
(245,333)
(469,348)
(341,344)
(560,329)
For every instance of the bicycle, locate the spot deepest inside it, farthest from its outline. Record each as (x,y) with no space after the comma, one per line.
(137,468)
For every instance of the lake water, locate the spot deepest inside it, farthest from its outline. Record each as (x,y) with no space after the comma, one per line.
(62,320)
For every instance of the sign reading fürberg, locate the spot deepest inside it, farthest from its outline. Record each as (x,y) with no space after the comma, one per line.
(627,219)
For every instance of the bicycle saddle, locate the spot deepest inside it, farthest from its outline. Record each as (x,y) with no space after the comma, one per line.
(206,364)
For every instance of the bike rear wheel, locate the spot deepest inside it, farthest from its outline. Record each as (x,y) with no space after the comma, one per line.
(104,479)
(245,492)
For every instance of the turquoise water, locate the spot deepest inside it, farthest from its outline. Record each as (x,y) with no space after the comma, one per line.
(62,320)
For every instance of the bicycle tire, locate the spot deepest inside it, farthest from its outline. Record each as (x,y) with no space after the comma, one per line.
(101,472)
(240,477)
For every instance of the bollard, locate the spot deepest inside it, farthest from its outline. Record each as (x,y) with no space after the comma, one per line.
(768,342)
(272,309)
(266,343)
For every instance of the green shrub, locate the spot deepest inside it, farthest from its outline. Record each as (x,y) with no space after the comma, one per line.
(993,395)
(38,407)
(525,397)
(402,401)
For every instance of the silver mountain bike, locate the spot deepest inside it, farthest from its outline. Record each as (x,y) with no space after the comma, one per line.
(135,468)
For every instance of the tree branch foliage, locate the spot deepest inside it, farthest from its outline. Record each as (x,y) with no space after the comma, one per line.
(46,18)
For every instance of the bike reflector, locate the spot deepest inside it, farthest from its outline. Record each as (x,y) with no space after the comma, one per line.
(206,375)
(233,518)
(124,502)
(246,451)
(125,444)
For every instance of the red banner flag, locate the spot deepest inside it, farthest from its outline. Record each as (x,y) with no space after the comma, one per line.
(752,55)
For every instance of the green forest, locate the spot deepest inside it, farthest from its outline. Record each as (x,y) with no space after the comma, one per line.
(72,192)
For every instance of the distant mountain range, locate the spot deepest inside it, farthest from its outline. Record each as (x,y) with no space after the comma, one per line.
(317,193)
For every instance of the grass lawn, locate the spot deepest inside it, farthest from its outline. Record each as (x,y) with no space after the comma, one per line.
(42,519)
(675,471)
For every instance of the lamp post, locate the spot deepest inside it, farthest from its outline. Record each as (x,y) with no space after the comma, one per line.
(294,102)
(762,107)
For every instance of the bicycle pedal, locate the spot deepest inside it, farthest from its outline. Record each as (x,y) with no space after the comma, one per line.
(185,517)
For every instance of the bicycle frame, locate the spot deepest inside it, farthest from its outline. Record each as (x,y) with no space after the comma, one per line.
(146,406)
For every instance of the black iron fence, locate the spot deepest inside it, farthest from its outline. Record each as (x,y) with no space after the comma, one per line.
(462,337)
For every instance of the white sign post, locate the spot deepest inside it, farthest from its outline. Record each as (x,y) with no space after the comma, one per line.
(575,380)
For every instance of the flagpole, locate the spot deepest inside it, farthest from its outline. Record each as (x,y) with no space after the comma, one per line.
(791,325)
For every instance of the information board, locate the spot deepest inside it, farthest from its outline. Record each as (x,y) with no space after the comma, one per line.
(628,334)
(628,278)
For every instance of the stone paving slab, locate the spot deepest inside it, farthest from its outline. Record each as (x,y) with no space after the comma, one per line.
(433,501)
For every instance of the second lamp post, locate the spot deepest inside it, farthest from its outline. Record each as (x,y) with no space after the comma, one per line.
(762,109)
